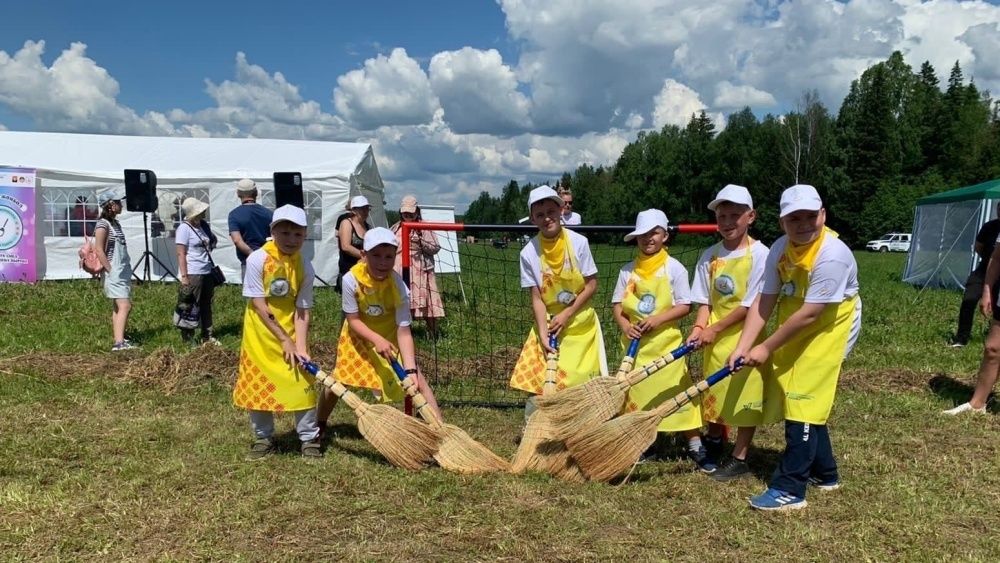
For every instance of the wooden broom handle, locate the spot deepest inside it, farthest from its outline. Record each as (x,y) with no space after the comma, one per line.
(337,387)
(409,385)
(639,374)
(670,406)
(550,384)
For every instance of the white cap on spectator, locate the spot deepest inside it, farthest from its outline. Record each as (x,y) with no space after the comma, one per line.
(734,194)
(289,213)
(111,194)
(646,221)
(798,198)
(359,201)
(246,185)
(378,236)
(541,193)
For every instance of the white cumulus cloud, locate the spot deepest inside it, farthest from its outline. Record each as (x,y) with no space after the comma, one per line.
(728,95)
(478,92)
(391,90)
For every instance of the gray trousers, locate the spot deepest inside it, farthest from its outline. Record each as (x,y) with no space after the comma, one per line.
(262,423)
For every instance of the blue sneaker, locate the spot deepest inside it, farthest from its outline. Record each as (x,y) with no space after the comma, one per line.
(701,459)
(774,499)
(831,485)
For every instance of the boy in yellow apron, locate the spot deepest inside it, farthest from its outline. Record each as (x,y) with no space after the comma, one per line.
(726,281)
(812,277)
(652,295)
(558,269)
(279,286)
(376,306)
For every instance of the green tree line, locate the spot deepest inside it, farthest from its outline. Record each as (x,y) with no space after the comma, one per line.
(899,135)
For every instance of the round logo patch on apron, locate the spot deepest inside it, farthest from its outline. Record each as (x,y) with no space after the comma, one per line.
(566,297)
(788,288)
(374,310)
(647,304)
(725,285)
(279,287)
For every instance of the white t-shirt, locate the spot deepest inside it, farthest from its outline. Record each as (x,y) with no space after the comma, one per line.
(573,219)
(833,278)
(253,281)
(349,299)
(531,268)
(678,282)
(700,290)
(197,253)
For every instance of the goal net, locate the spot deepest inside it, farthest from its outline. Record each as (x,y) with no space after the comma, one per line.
(468,354)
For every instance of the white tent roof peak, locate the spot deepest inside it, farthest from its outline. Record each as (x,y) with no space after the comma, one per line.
(105,156)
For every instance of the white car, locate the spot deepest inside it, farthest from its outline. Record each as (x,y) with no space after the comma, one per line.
(895,242)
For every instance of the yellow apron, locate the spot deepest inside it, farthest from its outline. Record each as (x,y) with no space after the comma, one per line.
(749,397)
(581,344)
(649,297)
(358,365)
(266,382)
(807,367)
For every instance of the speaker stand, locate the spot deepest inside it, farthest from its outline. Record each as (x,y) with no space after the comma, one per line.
(147,256)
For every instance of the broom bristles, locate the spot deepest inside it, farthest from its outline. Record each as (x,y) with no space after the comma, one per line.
(460,453)
(584,406)
(536,431)
(403,440)
(612,448)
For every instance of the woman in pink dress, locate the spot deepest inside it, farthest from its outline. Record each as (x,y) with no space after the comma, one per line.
(425,299)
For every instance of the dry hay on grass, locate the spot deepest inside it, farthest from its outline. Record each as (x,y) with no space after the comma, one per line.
(499,361)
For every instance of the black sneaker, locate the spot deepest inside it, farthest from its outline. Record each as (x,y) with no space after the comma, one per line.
(713,447)
(260,449)
(731,470)
(700,457)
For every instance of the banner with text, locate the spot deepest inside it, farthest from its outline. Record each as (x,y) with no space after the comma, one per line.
(17,225)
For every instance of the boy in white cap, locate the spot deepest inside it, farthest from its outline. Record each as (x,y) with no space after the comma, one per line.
(559,271)
(651,297)
(279,286)
(376,306)
(812,278)
(727,280)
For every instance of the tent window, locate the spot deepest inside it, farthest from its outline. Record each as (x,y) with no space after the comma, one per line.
(69,212)
(313,200)
(168,215)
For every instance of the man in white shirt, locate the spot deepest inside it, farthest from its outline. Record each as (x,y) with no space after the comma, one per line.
(568,217)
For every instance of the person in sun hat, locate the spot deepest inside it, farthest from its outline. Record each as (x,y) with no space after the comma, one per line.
(425,299)
(811,277)
(195,242)
(249,222)
(727,280)
(112,252)
(651,297)
(279,289)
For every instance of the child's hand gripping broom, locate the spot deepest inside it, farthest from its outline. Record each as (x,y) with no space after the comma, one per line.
(457,451)
(539,450)
(584,407)
(403,440)
(612,448)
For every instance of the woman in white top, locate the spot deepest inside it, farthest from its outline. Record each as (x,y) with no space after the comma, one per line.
(195,243)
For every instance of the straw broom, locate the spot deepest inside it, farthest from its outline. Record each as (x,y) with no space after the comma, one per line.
(613,447)
(403,440)
(457,452)
(586,406)
(539,450)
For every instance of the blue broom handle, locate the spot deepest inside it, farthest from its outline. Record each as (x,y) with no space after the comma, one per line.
(684,350)
(633,348)
(723,373)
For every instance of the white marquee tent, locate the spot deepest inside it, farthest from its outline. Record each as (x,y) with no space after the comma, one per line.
(72,169)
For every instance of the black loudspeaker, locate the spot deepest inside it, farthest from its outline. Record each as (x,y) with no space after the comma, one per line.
(288,189)
(140,190)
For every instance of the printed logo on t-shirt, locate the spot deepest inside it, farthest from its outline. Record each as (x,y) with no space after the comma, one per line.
(788,288)
(725,285)
(647,304)
(279,287)
(566,297)
(374,310)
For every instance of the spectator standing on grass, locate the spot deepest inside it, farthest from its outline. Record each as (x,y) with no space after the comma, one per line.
(425,299)
(986,240)
(351,229)
(249,224)
(195,243)
(112,252)
(568,217)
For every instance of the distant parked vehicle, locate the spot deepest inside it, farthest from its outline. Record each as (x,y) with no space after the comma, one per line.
(894,242)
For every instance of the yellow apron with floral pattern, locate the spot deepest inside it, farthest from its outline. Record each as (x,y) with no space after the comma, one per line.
(358,365)
(749,397)
(807,367)
(643,298)
(266,382)
(581,344)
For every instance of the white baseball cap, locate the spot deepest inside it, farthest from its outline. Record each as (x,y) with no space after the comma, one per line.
(378,236)
(289,213)
(246,185)
(734,194)
(646,221)
(541,193)
(359,201)
(110,194)
(798,198)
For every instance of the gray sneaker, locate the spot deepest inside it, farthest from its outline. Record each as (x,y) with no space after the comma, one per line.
(731,470)
(261,448)
(312,449)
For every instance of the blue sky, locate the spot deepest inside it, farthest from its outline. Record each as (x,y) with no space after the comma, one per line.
(459,96)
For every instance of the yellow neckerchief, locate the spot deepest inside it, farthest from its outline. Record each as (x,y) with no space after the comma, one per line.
(554,251)
(649,265)
(365,280)
(291,263)
(804,256)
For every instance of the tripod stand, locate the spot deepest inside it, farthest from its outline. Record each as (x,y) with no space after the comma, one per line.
(147,255)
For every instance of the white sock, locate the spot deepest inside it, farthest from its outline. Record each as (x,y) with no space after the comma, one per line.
(694,444)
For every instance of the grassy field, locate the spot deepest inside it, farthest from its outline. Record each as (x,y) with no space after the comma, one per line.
(140,456)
